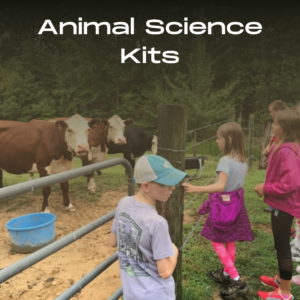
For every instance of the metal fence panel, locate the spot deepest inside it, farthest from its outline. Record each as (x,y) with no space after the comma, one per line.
(39,255)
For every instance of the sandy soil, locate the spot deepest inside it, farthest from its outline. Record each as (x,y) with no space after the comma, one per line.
(52,276)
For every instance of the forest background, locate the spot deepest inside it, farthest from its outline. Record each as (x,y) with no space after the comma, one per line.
(46,76)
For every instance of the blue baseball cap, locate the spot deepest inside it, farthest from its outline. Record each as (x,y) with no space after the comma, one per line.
(155,168)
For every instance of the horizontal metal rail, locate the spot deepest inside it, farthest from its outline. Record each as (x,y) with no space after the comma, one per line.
(117,294)
(31,185)
(79,285)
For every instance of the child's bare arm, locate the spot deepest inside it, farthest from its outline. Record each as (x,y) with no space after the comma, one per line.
(113,240)
(217,187)
(167,265)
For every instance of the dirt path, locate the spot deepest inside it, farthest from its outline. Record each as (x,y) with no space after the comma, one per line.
(49,278)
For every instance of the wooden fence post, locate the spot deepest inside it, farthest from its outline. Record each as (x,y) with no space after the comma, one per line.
(266,134)
(172,125)
(231,114)
(251,135)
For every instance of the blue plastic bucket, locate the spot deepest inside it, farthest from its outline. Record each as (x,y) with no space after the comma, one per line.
(31,232)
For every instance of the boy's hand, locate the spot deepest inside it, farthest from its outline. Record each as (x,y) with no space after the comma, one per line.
(259,189)
(189,188)
(175,249)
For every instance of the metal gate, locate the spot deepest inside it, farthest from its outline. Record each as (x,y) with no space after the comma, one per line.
(41,254)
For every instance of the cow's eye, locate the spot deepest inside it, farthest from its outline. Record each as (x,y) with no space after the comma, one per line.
(111,127)
(70,130)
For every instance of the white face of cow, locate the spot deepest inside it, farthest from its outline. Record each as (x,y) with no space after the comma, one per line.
(154,144)
(116,130)
(76,135)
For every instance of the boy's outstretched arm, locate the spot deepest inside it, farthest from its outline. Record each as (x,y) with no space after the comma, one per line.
(167,265)
(113,240)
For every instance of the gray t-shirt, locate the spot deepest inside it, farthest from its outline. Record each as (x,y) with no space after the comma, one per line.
(236,172)
(143,238)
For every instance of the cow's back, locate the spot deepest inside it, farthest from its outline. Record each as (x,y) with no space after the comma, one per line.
(139,139)
(23,144)
(137,142)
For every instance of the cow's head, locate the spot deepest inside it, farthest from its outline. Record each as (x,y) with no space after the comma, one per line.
(116,129)
(76,135)
(98,134)
(154,144)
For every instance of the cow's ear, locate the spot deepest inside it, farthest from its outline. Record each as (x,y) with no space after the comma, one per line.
(94,123)
(128,122)
(104,122)
(61,125)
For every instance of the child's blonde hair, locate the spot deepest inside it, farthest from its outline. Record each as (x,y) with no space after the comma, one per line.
(234,148)
(278,105)
(289,120)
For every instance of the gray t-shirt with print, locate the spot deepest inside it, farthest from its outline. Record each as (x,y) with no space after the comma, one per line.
(143,238)
(236,172)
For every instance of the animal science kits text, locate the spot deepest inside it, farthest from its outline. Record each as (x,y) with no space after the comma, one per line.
(153,27)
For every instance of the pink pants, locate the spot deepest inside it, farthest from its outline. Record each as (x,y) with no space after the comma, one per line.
(226,254)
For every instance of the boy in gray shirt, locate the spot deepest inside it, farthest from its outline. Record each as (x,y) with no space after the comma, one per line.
(147,255)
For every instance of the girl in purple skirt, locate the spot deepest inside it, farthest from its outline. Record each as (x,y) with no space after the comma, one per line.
(227,221)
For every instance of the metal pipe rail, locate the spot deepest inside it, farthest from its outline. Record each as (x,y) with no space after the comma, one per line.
(39,255)
(117,294)
(31,185)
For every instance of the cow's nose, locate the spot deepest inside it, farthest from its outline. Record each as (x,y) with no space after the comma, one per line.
(121,141)
(83,148)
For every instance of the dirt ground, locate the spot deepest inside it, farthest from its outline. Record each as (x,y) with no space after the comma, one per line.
(52,276)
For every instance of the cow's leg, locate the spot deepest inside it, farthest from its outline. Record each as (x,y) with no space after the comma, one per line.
(46,193)
(127,155)
(65,190)
(132,162)
(46,190)
(91,185)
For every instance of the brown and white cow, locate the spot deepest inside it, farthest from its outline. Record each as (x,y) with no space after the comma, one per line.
(45,148)
(111,130)
(101,133)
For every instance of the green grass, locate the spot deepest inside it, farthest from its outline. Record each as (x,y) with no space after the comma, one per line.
(253,258)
